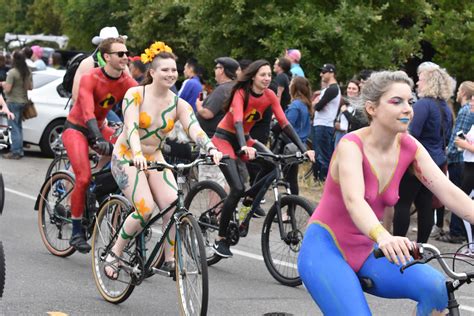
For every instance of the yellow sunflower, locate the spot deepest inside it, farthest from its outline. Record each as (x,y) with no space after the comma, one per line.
(141,208)
(137,98)
(125,152)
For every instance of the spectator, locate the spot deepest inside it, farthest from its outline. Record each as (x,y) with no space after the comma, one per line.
(243,63)
(281,83)
(431,126)
(346,113)
(325,111)
(211,110)
(3,71)
(18,82)
(294,55)
(37,57)
(56,61)
(192,86)
(463,122)
(137,69)
(28,53)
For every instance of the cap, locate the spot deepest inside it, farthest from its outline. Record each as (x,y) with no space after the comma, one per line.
(328,68)
(37,51)
(107,32)
(294,54)
(230,64)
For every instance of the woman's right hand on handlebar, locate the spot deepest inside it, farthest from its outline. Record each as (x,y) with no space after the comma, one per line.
(250,152)
(395,248)
(140,161)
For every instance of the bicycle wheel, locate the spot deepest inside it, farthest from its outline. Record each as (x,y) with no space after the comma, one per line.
(204,201)
(280,255)
(60,162)
(191,268)
(109,220)
(2,194)
(2,269)
(54,214)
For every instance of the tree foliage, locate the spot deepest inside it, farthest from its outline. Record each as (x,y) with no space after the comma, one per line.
(352,34)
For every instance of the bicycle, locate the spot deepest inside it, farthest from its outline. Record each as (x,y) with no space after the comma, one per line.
(2,253)
(138,261)
(54,207)
(424,253)
(281,238)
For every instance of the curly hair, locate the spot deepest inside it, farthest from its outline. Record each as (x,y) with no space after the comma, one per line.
(438,84)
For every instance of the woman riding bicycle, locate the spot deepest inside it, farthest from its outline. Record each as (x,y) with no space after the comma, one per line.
(249,99)
(361,186)
(150,112)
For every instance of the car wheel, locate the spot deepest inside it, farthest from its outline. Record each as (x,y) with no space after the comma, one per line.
(51,134)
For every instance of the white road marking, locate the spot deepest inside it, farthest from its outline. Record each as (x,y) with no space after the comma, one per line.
(21,194)
(466,308)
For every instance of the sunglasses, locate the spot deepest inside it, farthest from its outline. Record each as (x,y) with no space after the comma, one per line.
(121,54)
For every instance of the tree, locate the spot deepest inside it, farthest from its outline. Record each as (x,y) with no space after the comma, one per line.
(13,18)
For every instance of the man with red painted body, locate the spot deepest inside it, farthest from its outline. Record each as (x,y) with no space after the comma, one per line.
(86,126)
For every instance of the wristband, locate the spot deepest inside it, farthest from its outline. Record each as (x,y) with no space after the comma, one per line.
(375,232)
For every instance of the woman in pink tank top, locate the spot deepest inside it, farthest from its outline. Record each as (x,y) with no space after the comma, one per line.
(360,192)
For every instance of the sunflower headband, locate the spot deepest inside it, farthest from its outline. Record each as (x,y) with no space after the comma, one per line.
(153,50)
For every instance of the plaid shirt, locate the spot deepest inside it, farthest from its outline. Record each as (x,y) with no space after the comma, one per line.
(463,123)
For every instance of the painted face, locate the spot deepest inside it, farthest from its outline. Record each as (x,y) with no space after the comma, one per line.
(394,110)
(262,79)
(165,73)
(116,61)
(352,90)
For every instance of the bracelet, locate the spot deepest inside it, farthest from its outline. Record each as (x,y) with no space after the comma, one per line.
(375,232)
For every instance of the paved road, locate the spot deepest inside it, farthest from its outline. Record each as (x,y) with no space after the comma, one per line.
(39,283)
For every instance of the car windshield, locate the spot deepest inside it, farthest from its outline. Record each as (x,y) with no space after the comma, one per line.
(41,78)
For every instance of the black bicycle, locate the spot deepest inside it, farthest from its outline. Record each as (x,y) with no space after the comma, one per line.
(283,228)
(424,253)
(2,203)
(139,258)
(54,207)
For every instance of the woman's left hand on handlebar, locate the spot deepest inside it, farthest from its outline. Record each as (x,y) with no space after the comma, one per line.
(250,152)
(216,155)
(140,162)
(311,155)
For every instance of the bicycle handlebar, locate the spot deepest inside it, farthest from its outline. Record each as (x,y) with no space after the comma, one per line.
(423,253)
(161,165)
(298,155)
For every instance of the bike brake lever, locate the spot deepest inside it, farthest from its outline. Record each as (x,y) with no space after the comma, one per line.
(403,268)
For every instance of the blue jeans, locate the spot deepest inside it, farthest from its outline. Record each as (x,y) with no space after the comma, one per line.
(17,128)
(323,145)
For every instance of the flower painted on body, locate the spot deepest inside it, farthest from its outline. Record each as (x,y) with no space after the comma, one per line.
(125,152)
(141,207)
(137,98)
(144,120)
(169,126)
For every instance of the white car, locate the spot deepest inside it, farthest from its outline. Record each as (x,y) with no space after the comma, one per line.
(45,129)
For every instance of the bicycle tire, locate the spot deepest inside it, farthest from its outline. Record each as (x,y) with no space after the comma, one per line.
(198,203)
(281,256)
(192,279)
(2,269)
(60,162)
(2,193)
(54,215)
(109,219)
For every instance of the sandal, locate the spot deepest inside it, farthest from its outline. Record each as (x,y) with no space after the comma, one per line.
(112,261)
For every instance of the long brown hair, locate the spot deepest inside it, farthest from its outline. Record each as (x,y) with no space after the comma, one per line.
(301,89)
(245,82)
(154,64)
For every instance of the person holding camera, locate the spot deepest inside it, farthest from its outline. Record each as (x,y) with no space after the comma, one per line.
(99,90)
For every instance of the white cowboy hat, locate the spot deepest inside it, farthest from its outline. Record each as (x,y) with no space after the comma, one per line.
(107,32)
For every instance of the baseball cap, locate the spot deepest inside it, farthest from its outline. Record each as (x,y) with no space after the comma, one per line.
(229,64)
(328,68)
(107,32)
(294,54)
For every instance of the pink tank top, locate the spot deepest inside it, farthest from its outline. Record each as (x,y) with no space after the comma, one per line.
(332,213)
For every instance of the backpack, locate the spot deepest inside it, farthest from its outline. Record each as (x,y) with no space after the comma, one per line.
(65,88)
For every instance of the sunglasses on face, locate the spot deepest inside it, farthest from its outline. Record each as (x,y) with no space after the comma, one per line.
(121,54)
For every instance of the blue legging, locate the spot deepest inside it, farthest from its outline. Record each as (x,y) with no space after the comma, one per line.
(336,288)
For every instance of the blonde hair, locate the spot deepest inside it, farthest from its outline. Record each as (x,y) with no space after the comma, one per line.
(379,83)
(438,84)
(468,88)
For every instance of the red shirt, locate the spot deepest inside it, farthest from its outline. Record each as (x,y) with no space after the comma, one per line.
(254,112)
(98,93)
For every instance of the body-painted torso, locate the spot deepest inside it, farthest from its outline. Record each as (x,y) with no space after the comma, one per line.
(333,215)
